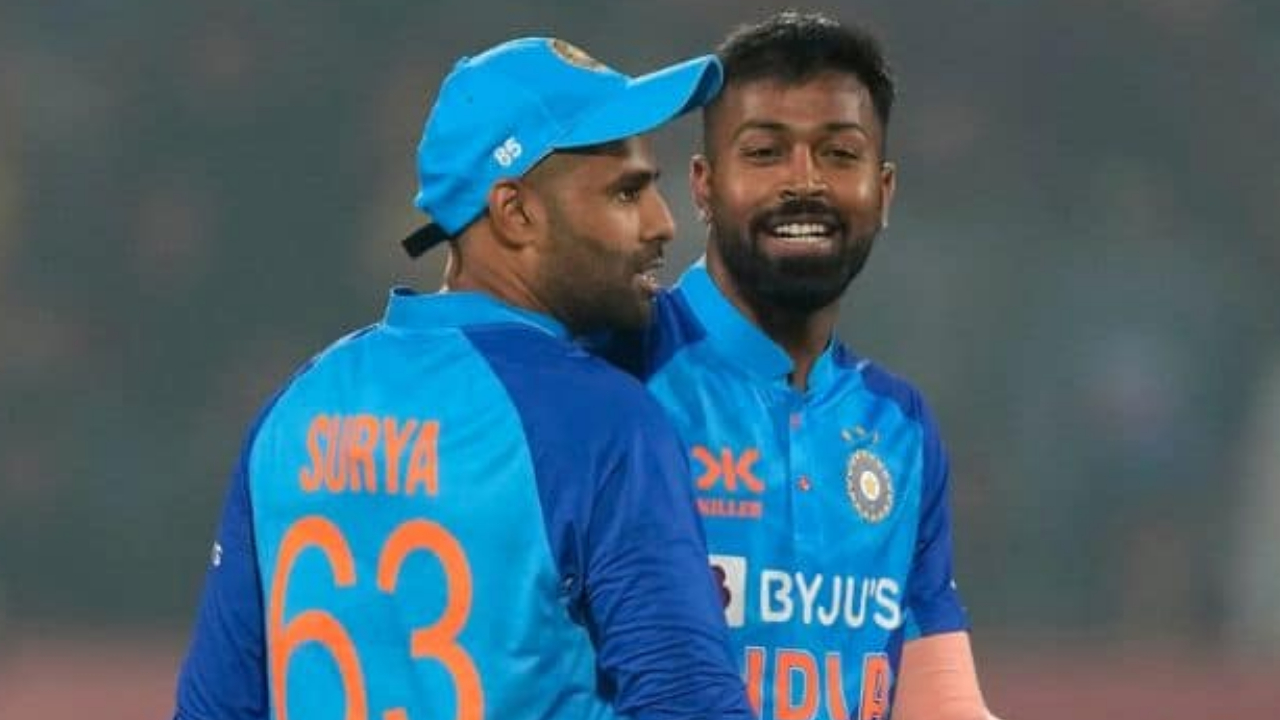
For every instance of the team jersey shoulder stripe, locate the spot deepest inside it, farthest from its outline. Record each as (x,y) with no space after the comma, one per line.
(933,600)
(883,383)
(675,327)
(618,509)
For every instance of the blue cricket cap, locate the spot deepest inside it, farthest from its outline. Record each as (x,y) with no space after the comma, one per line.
(501,112)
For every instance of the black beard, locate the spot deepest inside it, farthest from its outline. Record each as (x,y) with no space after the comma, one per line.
(799,285)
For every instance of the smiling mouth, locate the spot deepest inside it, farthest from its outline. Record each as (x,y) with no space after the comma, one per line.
(648,279)
(803,233)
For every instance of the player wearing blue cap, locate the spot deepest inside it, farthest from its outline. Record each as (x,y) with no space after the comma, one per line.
(820,477)
(455,512)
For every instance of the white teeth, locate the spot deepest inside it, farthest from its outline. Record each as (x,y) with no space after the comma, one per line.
(802,230)
(649,281)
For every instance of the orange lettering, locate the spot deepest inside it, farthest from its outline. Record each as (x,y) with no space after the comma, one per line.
(710,468)
(361,438)
(395,442)
(336,482)
(318,430)
(835,688)
(313,625)
(344,455)
(331,453)
(788,665)
(728,470)
(755,677)
(725,467)
(423,461)
(720,507)
(743,469)
(439,640)
(875,687)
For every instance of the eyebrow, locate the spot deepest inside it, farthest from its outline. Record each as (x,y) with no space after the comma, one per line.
(778,127)
(639,176)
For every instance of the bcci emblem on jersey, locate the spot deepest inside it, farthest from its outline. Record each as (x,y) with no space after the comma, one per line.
(869,485)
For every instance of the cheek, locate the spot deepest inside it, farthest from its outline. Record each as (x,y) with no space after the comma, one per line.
(862,192)
(609,233)
(738,193)
(587,226)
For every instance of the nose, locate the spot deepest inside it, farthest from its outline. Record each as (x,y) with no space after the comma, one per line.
(657,225)
(804,179)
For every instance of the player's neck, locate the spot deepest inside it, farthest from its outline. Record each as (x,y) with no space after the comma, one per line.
(466,272)
(803,335)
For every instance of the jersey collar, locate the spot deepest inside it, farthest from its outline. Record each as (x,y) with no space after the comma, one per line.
(738,339)
(411,310)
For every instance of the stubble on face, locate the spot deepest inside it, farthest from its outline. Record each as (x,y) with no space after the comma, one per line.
(592,286)
(597,270)
(799,284)
(795,188)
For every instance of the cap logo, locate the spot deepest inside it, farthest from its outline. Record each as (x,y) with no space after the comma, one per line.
(508,152)
(575,55)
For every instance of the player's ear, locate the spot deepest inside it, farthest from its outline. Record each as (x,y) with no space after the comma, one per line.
(888,185)
(700,185)
(514,212)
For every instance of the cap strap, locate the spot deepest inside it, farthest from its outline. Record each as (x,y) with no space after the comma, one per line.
(423,239)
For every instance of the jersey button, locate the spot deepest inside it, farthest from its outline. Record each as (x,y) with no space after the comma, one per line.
(803,483)
(795,421)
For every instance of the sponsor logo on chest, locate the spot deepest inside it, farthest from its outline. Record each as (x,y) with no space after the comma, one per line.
(778,596)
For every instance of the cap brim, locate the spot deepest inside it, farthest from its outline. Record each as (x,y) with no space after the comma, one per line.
(647,102)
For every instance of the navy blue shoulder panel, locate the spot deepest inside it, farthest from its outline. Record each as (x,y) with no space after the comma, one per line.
(617,501)
(674,327)
(224,674)
(642,353)
(882,382)
(908,399)
(573,409)
(931,590)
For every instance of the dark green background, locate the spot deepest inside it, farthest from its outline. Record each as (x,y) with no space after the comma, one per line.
(1081,273)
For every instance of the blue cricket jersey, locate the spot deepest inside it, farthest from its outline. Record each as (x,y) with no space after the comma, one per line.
(457,513)
(825,510)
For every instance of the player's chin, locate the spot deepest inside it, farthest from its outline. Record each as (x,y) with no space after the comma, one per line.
(634,314)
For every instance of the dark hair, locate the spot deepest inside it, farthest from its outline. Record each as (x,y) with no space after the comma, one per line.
(792,47)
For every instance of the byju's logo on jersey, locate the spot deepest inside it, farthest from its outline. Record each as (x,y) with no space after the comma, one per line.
(869,485)
(784,596)
(730,573)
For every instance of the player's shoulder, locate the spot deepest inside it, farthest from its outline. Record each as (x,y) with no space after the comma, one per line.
(295,383)
(675,327)
(878,380)
(555,380)
(326,357)
(643,352)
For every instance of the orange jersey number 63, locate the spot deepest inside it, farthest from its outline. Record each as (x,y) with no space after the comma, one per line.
(438,640)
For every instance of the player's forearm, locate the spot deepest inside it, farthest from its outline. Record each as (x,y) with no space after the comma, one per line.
(943,708)
(939,697)
(939,681)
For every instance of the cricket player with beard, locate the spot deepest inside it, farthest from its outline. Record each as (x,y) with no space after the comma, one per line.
(820,477)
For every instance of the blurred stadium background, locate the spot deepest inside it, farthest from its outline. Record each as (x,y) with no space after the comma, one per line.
(1083,274)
